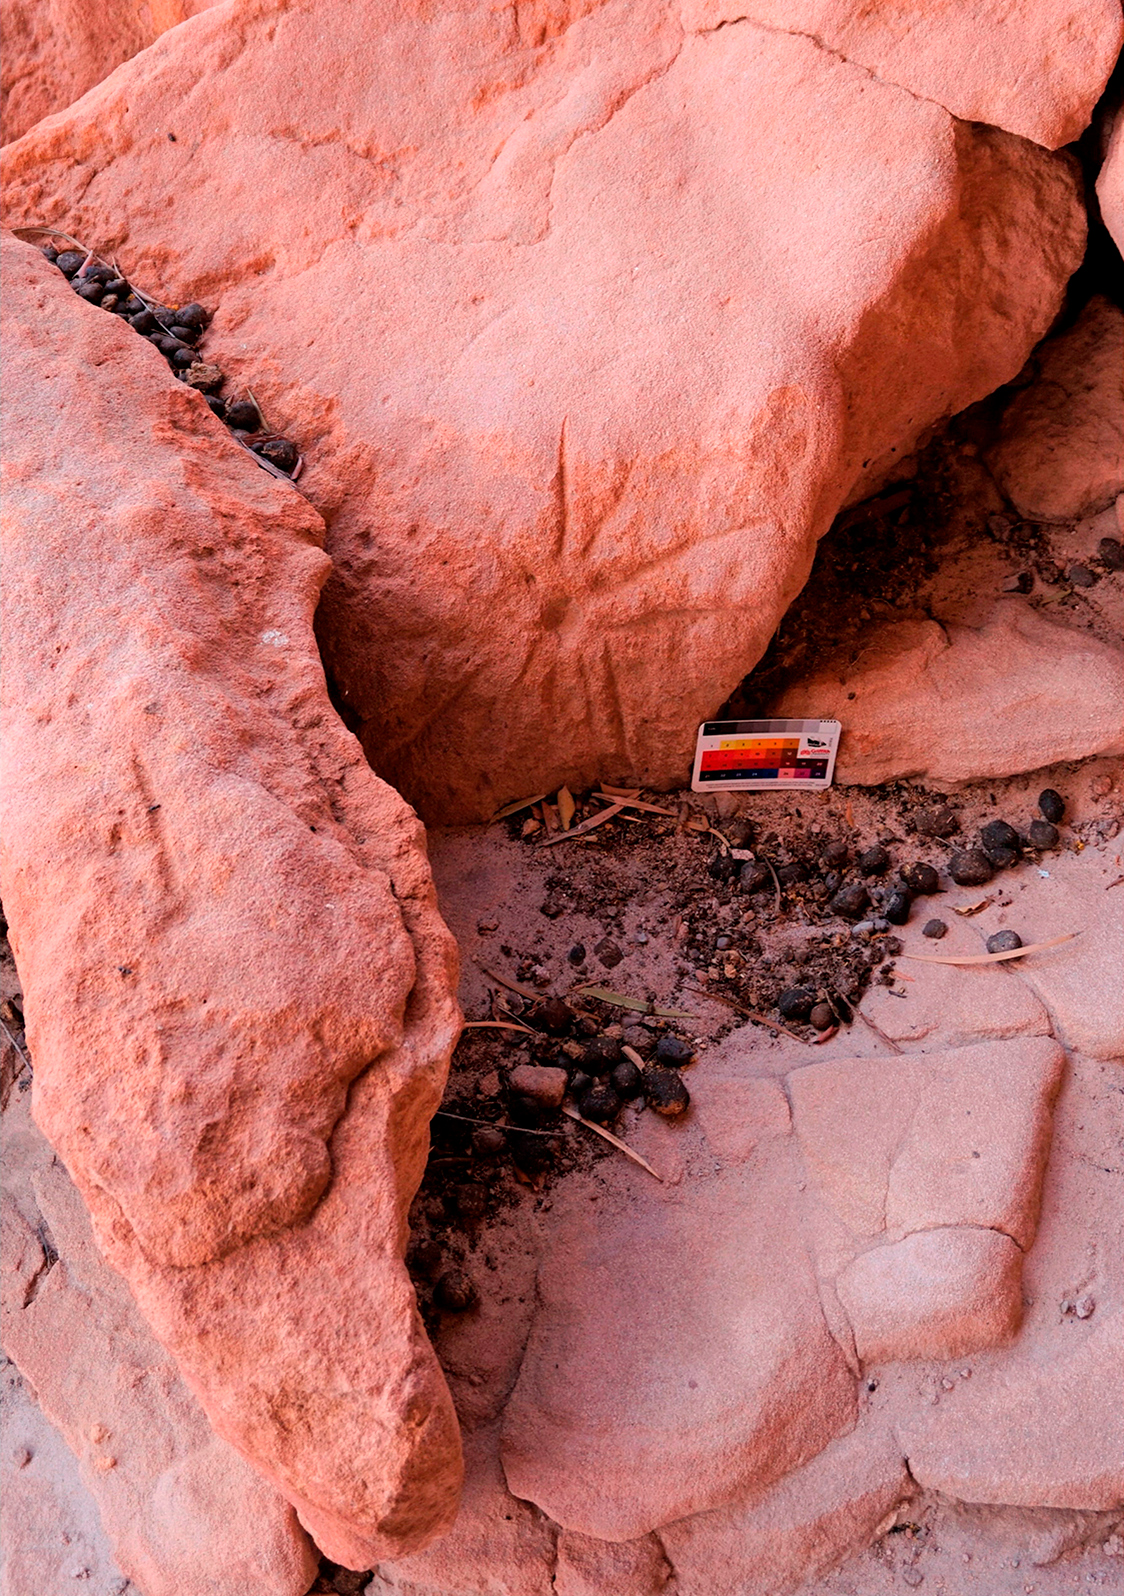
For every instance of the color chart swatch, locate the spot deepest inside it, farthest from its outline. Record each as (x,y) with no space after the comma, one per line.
(753,755)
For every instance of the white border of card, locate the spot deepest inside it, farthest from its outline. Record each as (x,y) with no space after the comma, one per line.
(817,739)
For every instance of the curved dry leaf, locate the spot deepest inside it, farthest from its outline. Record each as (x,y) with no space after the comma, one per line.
(513,809)
(566,807)
(616,1141)
(990,958)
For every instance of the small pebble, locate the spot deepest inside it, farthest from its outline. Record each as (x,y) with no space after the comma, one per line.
(795,1003)
(1052,805)
(639,1039)
(912,1577)
(1081,576)
(455,1291)
(626,1080)
(942,822)
(21,1457)
(576,954)
(243,416)
(1041,834)
(875,861)
(822,1017)
(1004,942)
(921,879)
(675,1051)
(1084,1307)
(543,1083)
(863,931)
(488,1140)
(664,1090)
(722,943)
(1111,551)
(723,867)
(851,900)
(608,954)
(971,868)
(935,929)
(897,907)
(599,1103)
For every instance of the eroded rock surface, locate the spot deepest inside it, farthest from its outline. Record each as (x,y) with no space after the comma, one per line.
(185,1514)
(1061,449)
(239,992)
(54,50)
(586,352)
(954,703)
(1033,68)
(663,1377)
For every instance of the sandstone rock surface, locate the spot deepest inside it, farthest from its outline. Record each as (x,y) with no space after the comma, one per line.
(1034,68)
(239,992)
(797,1530)
(1028,1431)
(1110,183)
(958,1137)
(54,50)
(663,1378)
(583,351)
(937,1294)
(957,703)
(1060,453)
(185,1514)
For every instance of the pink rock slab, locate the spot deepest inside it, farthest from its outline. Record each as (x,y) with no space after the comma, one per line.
(239,993)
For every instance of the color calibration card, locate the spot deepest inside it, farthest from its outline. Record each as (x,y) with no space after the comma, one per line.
(760,755)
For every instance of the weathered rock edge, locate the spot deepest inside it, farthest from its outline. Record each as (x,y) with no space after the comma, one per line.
(239,991)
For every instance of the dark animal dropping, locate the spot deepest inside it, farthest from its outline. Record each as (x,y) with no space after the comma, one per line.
(674,1050)
(896,907)
(455,1291)
(971,868)
(665,1091)
(875,861)
(600,1103)
(921,879)
(796,1003)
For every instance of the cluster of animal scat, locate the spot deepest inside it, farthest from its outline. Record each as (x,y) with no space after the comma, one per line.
(176,330)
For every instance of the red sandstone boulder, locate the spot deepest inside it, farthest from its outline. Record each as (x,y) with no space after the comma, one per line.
(54,50)
(239,992)
(1032,67)
(588,322)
